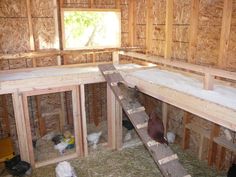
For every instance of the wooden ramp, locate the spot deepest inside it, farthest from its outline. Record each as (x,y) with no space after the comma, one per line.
(165,158)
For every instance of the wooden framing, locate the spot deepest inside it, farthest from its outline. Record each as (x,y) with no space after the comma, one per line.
(76,115)
(225,33)
(149,25)
(115,57)
(169,28)
(192,49)
(186,131)
(5,114)
(165,117)
(118,124)
(83,123)
(132,22)
(111,116)
(212,147)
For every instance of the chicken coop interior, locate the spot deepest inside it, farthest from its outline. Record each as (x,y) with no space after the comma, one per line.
(82,80)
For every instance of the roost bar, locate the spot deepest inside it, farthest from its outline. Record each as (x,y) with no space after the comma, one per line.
(60,65)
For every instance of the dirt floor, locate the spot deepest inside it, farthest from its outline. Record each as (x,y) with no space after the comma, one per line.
(129,162)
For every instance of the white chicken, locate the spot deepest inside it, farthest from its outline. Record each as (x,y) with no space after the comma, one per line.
(93,139)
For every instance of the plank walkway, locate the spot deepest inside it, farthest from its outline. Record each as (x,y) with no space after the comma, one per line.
(164,157)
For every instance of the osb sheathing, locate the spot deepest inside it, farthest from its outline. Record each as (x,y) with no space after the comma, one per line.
(182,9)
(180,50)
(124,23)
(42,8)
(46,61)
(159,11)
(210,20)
(13,8)
(14,36)
(44,33)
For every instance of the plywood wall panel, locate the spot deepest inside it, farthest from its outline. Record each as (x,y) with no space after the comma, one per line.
(181,33)
(158,47)
(14,35)
(159,11)
(124,26)
(159,32)
(182,9)
(210,12)
(180,50)
(104,4)
(208,45)
(42,8)
(232,49)
(124,39)
(141,12)
(13,8)
(44,33)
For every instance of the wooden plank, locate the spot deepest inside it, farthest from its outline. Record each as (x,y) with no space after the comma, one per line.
(183,65)
(111,119)
(20,126)
(149,25)
(41,120)
(198,129)
(91,9)
(77,121)
(222,141)
(193,30)
(225,33)
(165,117)
(117,4)
(212,150)
(221,158)
(169,28)
(84,122)
(186,131)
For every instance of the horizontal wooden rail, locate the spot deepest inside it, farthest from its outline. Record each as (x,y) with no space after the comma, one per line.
(207,71)
(56,52)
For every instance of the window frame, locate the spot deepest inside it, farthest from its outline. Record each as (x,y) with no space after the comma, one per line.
(118,11)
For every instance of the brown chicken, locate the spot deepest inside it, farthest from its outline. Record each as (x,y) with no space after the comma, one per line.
(156,128)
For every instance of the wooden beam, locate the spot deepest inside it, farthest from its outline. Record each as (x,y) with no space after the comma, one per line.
(91,2)
(149,25)
(84,122)
(193,29)
(21,126)
(212,147)
(183,65)
(165,116)
(5,115)
(186,131)
(111,114)
(225,33)
(169,28)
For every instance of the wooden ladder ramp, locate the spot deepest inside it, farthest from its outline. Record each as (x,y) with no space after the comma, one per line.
(164,157)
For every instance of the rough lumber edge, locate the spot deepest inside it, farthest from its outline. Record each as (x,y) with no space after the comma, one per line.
(83,115)
(192,49)
(186,131)
(111,118)
(20,126)
(225,33)
(168,28)
(212,147)
(149,25)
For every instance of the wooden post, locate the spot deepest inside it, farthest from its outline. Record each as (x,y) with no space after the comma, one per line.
(117,4)
(192,49)
(221,158)
(118,117)
(20,126)
(41,120)
(115,57)
(186,132)
(212,147)
(111,113)
(149,25)
(168,28)
(208,81)
(225,33)
(84,123)
(5,115)
(165,116)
